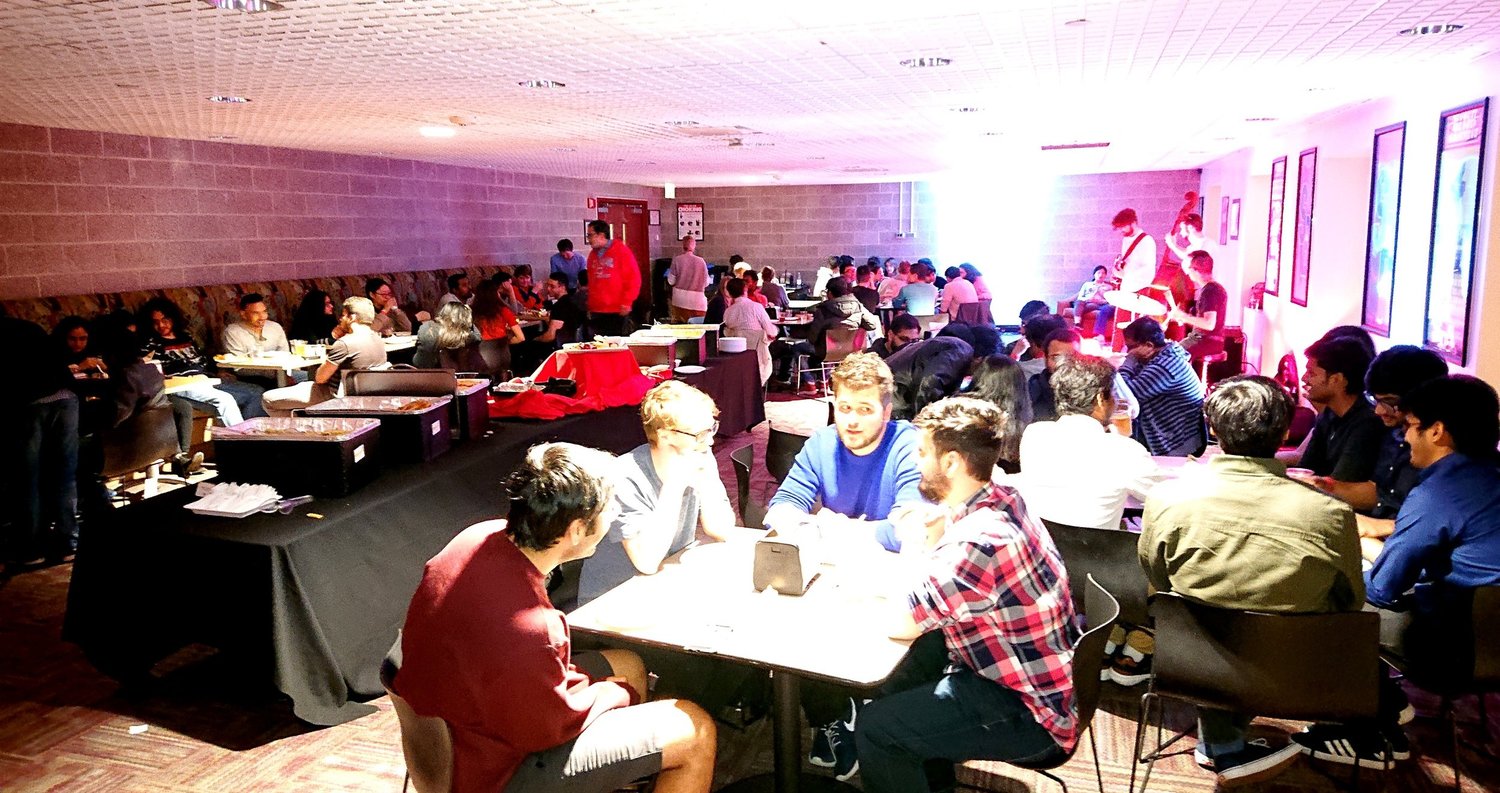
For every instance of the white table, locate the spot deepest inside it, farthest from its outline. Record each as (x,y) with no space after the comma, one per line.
(176,385)
(703,602)
(397,343)
(801,305)
(280,364)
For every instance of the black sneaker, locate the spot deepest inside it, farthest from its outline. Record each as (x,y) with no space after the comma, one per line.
(846,755)
(821,754)
(1347,745)
(1253,763)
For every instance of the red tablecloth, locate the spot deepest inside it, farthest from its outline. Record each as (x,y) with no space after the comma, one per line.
(605,378)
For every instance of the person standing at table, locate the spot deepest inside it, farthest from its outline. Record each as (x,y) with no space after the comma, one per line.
(666,489)
(688,277)
(568,262)
(859,468)
(614,282)
(355,346)
(1238,534)
(484,649)
(993,587)
(256,333)
(1161,376)
(389,318)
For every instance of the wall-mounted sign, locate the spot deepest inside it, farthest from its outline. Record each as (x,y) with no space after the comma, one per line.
(690,220)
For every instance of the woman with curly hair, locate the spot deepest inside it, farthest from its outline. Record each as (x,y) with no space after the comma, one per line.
(315,318)
(1000,380)
(168,342)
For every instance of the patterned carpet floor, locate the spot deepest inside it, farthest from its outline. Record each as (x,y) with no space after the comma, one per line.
(66,727)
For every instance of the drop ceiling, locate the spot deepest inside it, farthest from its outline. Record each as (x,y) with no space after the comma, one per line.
(714,92)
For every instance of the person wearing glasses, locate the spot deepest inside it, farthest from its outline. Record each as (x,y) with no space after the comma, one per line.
(389,318)
(614,282)
(1060,345)
(665,490)
(1161,376)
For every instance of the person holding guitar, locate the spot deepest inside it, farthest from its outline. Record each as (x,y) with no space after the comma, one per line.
(1136,264)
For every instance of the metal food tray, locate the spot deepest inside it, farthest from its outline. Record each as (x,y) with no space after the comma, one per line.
(272,428)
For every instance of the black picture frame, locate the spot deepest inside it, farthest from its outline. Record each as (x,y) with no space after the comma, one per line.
(1383,228)
(1458,183)
(1274,226)
(1302,234)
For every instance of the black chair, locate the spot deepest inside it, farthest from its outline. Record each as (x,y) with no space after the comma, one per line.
(1100,610)
(1309,667)
(465,359)
(1456,660)
(400,382)
(141,443)
(1108,555)
(781,450)
(494,354)
(752,513)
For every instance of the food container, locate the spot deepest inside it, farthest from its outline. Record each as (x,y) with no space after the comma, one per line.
(470,409)
(653,350)
(732,344)
(412,429)
(327,457)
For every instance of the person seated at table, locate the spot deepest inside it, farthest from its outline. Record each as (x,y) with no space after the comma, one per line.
(492,316)
(452,330)
(167,341)
(993,587)
(1171,395)
(919,297)
(484,649)
(1239,534)
(72,335)
(1391,376)
(522,283)
(975,277)
(356,346)
(840,310)
(1075,471)
(748,320)
(717,302)
(864,288)
(775,293)
(903,330)
(929,370)
(1206,315)
(1061,344)
(998,379)
(459,290)
(751,280)
(957,292)
(859,468)
(389,318)
(315,318)
(666,489)
(1035,331)
(561,325)
(1346,438)
(257,333)
(135,386)
(895,280)
(1019,349)
(39,416)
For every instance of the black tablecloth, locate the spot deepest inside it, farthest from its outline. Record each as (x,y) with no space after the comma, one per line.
(733,380)
(310,604)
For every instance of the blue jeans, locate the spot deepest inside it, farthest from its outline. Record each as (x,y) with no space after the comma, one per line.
(960,716)
(50,486)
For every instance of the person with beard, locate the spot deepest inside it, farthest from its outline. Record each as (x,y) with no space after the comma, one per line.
(993,598)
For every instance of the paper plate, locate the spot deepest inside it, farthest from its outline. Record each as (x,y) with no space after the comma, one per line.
(690,369)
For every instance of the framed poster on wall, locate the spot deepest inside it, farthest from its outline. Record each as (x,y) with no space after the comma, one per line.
(1455,226)
(1224,220)
(1386,165)
(1307,183)
(690,220)
(1273,227)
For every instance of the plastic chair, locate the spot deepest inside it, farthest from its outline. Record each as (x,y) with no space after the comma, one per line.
(426,742)
(1108,555)
(840,343)
(969,314)
(752,513)
(495,356)
(1309,667)
(1101,611)
(781,449)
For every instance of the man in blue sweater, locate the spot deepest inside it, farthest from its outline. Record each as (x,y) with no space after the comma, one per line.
(860,468)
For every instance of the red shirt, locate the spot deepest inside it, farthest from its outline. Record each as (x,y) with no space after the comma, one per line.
(484,649)
(496,327)
(614,279)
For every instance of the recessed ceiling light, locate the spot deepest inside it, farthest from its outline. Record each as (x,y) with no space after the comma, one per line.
(682,123)
(1066,146)
(564,149)
(247,6)
(817,158)
(1431,30)
(437,132)
(967,109)
(1073,23)
(541,84)
(1260,119)
(926,62)
(225,99)
(993,134)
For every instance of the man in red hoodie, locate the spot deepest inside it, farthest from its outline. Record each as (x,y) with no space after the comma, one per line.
(484,649)
(614,282)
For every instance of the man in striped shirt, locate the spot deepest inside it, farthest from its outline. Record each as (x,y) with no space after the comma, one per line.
(1160,374)
(993,586)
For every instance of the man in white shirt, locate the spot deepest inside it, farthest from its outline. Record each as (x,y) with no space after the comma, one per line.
(688,276)
(1074,470)
(957,292)
(254,334)
(459,291)
(1136,264)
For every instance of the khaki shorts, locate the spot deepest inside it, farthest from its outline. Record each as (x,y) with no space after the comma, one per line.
(618,748)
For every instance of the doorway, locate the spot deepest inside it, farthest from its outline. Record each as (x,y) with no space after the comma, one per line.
(628,223)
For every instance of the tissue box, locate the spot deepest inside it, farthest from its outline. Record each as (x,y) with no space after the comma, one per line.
(784,565)
(412,429)
(329,458)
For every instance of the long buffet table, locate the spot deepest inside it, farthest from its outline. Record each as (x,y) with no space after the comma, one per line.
(310,605)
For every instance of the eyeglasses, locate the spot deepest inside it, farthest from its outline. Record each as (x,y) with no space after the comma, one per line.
(702,437)
(1394,403)
(385,293)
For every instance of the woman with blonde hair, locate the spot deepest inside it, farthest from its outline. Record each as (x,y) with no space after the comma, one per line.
(452,330)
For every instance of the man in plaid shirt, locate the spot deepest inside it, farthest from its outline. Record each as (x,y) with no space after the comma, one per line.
(994,585)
